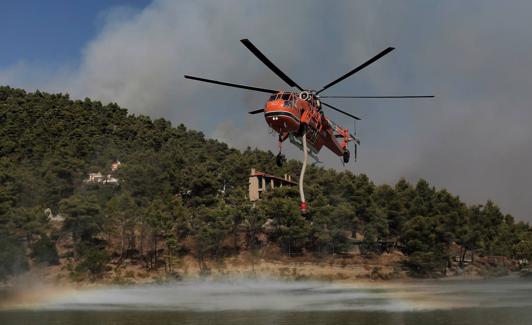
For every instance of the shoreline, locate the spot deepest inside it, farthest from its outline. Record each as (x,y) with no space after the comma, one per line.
(380,269)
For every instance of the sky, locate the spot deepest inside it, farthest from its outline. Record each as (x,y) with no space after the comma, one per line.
(474,138)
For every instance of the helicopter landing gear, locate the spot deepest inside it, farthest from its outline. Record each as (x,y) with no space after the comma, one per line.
(346,156)
(280,159)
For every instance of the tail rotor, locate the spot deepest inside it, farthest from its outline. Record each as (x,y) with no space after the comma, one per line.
(355,139)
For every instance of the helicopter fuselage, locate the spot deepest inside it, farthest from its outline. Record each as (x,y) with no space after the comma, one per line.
(294,114)
(290,115)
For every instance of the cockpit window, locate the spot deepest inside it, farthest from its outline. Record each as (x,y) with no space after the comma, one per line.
(272,97)
(286,96)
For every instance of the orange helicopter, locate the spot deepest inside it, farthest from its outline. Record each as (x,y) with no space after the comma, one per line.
(292,114)
(299,117)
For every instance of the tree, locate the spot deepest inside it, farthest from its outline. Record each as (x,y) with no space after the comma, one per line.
(145,176)
(44,251)
(253,221)
(84,218)
(468,235)
(93,261)
(375,231)
(492,219)
(523,248)
(28,222)
(12,257)
(425,244)
(123,212)
(210,226)
(290,227)
(156,218)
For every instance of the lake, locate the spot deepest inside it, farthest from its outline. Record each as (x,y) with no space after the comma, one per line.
(245,301)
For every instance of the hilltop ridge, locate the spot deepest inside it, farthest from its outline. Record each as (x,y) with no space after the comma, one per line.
(168,208)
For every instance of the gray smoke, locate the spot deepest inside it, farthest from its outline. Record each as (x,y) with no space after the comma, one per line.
(475,56)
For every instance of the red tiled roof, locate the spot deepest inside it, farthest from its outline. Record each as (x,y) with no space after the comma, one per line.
(257,173)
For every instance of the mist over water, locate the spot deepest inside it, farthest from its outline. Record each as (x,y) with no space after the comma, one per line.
(253,301)
(231,295)
(248,295)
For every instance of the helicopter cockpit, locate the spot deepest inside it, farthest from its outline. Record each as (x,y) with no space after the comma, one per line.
(281,95)
(287,97)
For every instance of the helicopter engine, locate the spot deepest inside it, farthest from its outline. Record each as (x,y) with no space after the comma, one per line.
(305,95)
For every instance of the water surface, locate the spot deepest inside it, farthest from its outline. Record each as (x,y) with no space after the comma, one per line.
(505,301)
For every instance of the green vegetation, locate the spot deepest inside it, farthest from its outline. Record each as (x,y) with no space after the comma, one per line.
(180,193)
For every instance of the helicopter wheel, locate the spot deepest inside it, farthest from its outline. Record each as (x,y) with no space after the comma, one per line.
(280,159)
(346,156)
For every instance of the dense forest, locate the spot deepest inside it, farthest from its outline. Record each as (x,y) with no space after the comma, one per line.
(179,193)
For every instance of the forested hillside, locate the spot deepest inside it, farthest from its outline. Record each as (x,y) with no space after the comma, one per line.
(182,194)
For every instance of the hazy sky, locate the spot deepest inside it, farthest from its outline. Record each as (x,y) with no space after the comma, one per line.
(475,56)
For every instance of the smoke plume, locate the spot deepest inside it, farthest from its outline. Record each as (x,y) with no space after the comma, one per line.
(473,139)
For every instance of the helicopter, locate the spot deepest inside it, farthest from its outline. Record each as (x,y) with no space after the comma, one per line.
(298,115)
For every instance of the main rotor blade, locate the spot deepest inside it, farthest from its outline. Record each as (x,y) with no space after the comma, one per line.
(340,111)
(377,96)
(360,67)
(247,43)
(264,90)
(257,111)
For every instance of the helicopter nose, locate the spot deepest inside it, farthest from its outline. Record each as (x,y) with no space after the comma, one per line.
(282,117)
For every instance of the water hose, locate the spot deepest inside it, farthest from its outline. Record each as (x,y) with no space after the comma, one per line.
(303,207)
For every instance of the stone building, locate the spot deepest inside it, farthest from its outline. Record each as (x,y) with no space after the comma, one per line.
(260,182)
